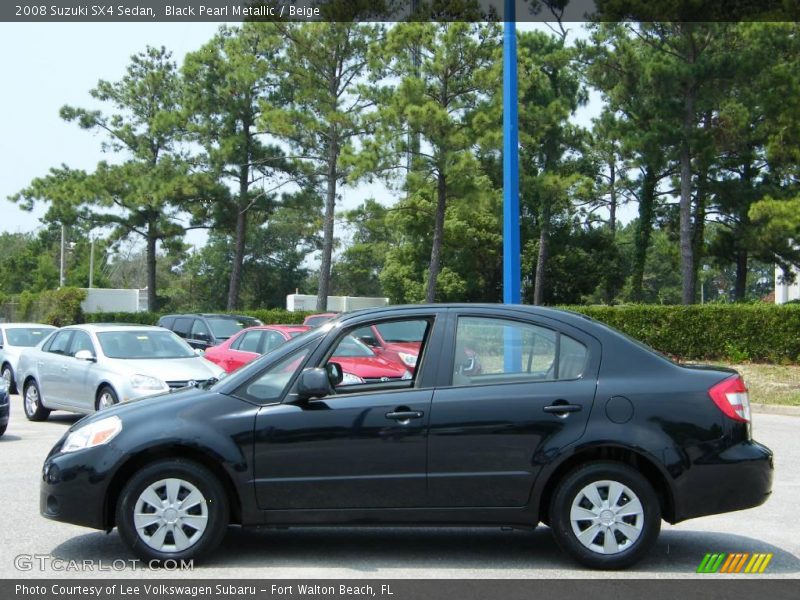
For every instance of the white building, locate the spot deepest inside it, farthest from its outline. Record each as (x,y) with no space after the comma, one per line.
(786,292)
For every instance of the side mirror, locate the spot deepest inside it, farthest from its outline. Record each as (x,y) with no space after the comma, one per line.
(335,373)
(85,355)
(313,383)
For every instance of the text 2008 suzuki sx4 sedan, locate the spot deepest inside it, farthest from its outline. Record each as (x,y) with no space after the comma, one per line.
(567,422)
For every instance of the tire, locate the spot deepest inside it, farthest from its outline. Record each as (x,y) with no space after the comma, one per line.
(8,375)
(2,429)
(202,525)
(106,397)
(622,532)
(32,403)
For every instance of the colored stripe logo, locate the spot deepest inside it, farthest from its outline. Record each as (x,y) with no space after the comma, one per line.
(737,562)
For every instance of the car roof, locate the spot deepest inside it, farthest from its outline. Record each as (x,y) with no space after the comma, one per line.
(99,327)
(215,315)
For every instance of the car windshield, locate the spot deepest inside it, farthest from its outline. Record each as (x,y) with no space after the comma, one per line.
(318,320)
(403,331)
(144,344)
(350,346)
(27,336)
(225,327)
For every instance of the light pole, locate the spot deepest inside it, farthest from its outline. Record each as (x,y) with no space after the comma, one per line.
(63,245)
(511,242)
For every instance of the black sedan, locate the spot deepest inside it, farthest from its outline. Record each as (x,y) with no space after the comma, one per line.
(569,423)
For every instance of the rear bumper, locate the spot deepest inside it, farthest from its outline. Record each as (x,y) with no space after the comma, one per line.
(737,478)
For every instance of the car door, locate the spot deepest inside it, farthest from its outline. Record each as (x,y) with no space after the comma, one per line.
(364,446)
(520,389)
(246,348)
(79,390)
(52,366)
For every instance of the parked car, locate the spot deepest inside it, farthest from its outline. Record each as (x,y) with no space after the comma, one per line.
(250,343)
(319,319)
(202,331)
(14,337)
(569,423)
(85,368)
(5,405)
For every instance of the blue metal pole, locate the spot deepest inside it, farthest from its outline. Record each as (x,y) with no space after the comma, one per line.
(512,352)
(511,244)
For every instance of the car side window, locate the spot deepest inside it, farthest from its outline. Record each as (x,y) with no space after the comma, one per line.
(81,341)
(60,343)
(2,339)
(181,326)
(166,322)
(389,366)
(249,341)
(272,339)
(200,331)
(490,350)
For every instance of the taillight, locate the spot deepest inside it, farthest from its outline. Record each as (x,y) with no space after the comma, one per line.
(732,399)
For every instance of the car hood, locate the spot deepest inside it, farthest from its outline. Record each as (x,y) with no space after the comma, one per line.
(168,369)
(408,347)
(369,366)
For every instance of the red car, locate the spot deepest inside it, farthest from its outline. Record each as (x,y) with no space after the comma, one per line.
(361,365)
(319,319)
(250,343)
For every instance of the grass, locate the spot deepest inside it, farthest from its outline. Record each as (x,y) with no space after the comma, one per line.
(771,384)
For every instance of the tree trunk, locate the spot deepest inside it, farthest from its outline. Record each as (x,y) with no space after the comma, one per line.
(438,237)
(327,228)
(240,238)
(541,259)
(152,298)
(644,229)
(740,288)
(687,254)
(612,202)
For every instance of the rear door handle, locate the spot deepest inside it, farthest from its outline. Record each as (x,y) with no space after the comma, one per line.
(562,408)
(405,415)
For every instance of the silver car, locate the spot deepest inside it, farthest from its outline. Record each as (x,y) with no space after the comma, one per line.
(14,337)
(85,368)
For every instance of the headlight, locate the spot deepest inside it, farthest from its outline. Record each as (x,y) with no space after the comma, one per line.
(409,360)
(145,382)
(93,434)
(350,379)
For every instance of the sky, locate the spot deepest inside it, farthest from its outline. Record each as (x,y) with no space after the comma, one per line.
(48,65)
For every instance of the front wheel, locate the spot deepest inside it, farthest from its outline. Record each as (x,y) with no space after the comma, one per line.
(32,403)
(172,509)
(605,515)
(8,375)
(106,398)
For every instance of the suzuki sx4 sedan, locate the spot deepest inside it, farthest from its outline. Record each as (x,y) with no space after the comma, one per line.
(567,423)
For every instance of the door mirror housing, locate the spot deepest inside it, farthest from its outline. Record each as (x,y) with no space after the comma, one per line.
(85,355)
(313,383)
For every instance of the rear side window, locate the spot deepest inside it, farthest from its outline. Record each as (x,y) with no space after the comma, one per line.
(490,350)
(166,322)
(181,326)
(249,342)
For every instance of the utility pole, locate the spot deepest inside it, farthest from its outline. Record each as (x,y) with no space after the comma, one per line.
(511,242)
(91,260)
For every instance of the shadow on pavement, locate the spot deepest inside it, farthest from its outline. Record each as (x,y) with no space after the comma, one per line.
(369,549)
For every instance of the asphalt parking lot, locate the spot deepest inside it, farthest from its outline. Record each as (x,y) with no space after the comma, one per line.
(33,547)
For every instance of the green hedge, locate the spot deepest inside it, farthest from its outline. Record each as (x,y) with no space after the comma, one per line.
(265,315)
(727,332)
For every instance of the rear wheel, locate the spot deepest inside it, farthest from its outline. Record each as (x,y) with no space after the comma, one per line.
(32,403)
(172,509)
(8,375)
(605,515)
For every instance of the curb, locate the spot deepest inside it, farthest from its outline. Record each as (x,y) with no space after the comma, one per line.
(776,409)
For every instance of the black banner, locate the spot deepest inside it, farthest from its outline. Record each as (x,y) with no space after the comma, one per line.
(711,588)
(394,10)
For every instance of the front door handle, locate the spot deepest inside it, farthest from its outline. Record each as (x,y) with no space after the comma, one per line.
(562,408)
(405,415)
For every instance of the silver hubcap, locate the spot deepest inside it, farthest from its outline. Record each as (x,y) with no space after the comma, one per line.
(106,400)
(170,515)
(7,376)
(606,517)
(31,400)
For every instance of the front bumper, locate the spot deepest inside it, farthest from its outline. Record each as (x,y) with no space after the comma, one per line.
(74,486)
(736,478)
